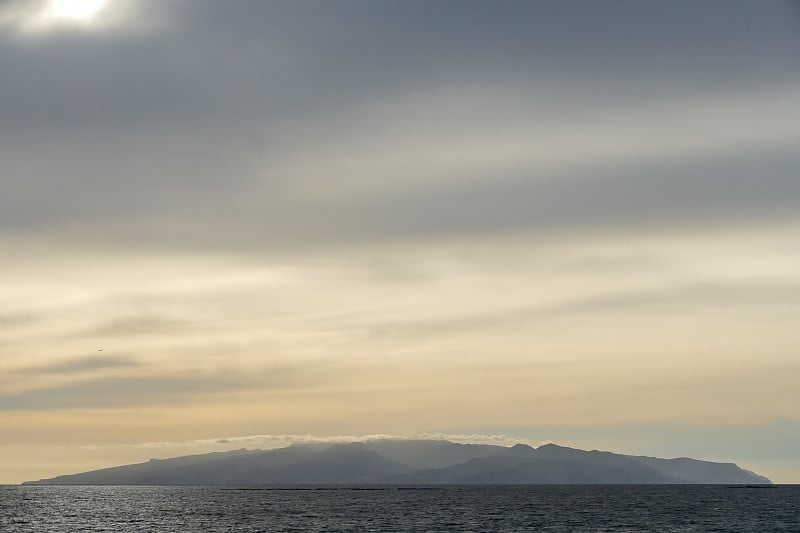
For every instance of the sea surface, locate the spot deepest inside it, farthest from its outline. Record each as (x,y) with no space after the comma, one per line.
(522,508)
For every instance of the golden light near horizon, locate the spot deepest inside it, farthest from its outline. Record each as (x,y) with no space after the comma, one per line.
(75,10)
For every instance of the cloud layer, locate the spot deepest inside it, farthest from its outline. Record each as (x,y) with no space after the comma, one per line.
(381,218)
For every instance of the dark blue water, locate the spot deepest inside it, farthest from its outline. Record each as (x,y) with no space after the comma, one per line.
(539,508)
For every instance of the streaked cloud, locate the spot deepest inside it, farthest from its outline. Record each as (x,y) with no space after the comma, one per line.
(709,295)
(134,326)
(14,318)
(115,391)
(80,365)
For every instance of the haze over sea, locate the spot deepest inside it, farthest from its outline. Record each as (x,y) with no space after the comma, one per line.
(430,509)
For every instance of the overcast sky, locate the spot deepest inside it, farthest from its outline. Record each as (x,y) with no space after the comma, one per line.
(569,221)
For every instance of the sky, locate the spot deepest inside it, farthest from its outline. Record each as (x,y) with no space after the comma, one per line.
(244,224)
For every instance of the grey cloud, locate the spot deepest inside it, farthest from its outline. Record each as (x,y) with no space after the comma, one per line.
(169,140)
(737,190)
(16,318)
(76,366)
(145,390)
(740,189)
(290,63)
(295,61)
(80,365)
(726,295)
(756,187)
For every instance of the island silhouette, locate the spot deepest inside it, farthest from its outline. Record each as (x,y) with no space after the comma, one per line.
(413,462)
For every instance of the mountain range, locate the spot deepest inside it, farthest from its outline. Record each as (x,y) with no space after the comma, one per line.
(413,462)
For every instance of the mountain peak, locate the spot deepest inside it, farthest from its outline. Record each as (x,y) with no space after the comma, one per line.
(522,449)
(551,446)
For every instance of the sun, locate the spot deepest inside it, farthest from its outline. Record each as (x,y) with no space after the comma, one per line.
(77,10)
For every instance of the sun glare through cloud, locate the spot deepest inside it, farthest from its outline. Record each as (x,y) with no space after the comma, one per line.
(76,10)
(42,18)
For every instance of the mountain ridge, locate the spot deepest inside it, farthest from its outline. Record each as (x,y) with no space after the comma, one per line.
(417,462)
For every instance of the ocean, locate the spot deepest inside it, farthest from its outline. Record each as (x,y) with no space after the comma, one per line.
(660,508)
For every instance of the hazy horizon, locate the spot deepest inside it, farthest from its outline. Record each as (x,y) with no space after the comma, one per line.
(539,221)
